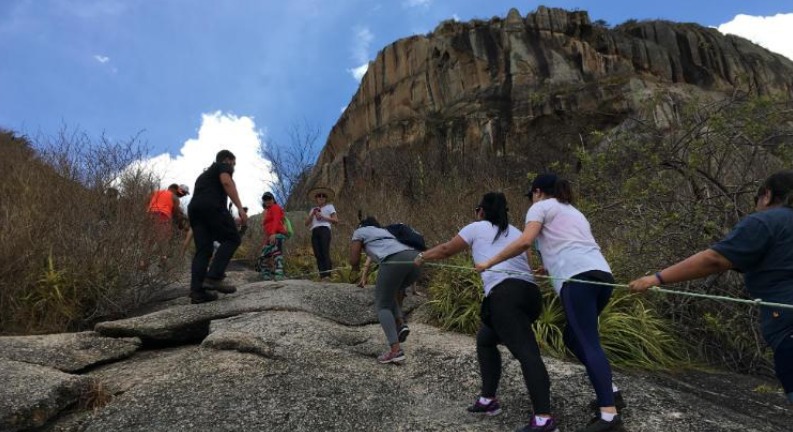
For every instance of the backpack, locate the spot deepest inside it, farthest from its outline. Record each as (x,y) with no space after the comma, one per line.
(407,235)
(288,225)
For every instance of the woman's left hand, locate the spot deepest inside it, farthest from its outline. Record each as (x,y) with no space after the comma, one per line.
(482,267)
(643,284)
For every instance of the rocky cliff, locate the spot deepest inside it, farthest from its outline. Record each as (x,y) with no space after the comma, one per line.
(300,356)
(520,92)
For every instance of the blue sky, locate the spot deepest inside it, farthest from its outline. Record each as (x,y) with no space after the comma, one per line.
(180,71)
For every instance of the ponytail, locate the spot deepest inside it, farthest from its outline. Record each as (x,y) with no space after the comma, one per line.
(494,207)
(780,184)
(563,191)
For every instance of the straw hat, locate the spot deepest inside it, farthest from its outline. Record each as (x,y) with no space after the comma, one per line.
(317,190)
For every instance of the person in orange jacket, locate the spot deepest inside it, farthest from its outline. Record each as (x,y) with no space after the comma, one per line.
(164,212)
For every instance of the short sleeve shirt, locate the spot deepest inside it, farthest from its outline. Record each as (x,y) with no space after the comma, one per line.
(761,246)
(209,190)
(378,243)
(566,244)
(481,237)
(326,211)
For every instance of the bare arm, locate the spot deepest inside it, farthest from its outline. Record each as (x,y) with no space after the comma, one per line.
(699,265)
(231,190)
(522,244)
(443,250)
(355,254)
(333,219)
(365,272)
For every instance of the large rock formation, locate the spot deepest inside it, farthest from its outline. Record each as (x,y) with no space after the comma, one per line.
(300,356)
(513,86)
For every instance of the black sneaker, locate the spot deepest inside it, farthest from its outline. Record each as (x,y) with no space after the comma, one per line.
(490,409)
(619,403)
(197,297)
(219,286)
(597,424)
(404,331)
(550,426)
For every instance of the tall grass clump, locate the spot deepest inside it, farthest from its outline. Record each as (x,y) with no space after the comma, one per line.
(72,232)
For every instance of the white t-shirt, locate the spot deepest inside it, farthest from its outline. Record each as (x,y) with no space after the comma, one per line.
(326,211)
(479,236)
(566,244)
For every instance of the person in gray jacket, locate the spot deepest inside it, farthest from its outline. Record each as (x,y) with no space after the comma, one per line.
(397,272)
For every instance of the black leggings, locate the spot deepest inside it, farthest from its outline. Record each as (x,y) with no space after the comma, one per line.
(507,315)
(320,242)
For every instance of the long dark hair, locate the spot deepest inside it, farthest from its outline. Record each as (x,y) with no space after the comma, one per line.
(553,186)
(494,207)
(780,184)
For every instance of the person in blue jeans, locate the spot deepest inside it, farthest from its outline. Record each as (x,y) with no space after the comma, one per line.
(569,251)
(511,305)
(761,247)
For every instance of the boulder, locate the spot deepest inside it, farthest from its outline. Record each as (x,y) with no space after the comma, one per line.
(68,352)
(343,303)
(298,371)
(30,394)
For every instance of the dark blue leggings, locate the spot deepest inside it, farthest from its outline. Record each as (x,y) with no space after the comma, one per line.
(583,303)
(783,365)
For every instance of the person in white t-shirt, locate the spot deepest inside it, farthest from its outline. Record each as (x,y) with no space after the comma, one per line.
(569,251)
(511,305)
(320,218)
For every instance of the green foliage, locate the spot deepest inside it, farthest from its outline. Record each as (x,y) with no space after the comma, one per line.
(456,296)
(672,182)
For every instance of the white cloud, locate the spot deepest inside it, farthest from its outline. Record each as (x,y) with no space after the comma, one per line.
(359,71)
(416,3)
(219,131)
(101,59)
(772,32)
(360,52)
(456,17)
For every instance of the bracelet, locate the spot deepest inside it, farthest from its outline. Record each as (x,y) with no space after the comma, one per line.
(660,279)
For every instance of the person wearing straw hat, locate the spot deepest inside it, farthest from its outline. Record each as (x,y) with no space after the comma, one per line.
(320,218)
(761,247)
(569,251)
(511,304)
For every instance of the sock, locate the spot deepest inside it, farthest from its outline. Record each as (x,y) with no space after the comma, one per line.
(540,421)
(609,417)
(614,388)
(484,401)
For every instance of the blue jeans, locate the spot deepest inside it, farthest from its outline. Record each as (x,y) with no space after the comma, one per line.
(783,365)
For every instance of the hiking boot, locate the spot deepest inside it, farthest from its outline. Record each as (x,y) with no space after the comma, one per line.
(391,357)
(597,424)
(619,403)
(404,332)
(197,297)
(490,409)
(219,286)
(550,426)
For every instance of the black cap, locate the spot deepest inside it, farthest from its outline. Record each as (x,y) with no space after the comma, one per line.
(268,196)
(544,182)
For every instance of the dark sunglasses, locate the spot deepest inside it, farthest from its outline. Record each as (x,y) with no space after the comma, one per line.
(320,195)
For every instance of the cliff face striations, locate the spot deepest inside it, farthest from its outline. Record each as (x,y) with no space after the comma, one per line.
(513,86)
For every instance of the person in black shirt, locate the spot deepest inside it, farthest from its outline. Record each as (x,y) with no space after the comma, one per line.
(211,221)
